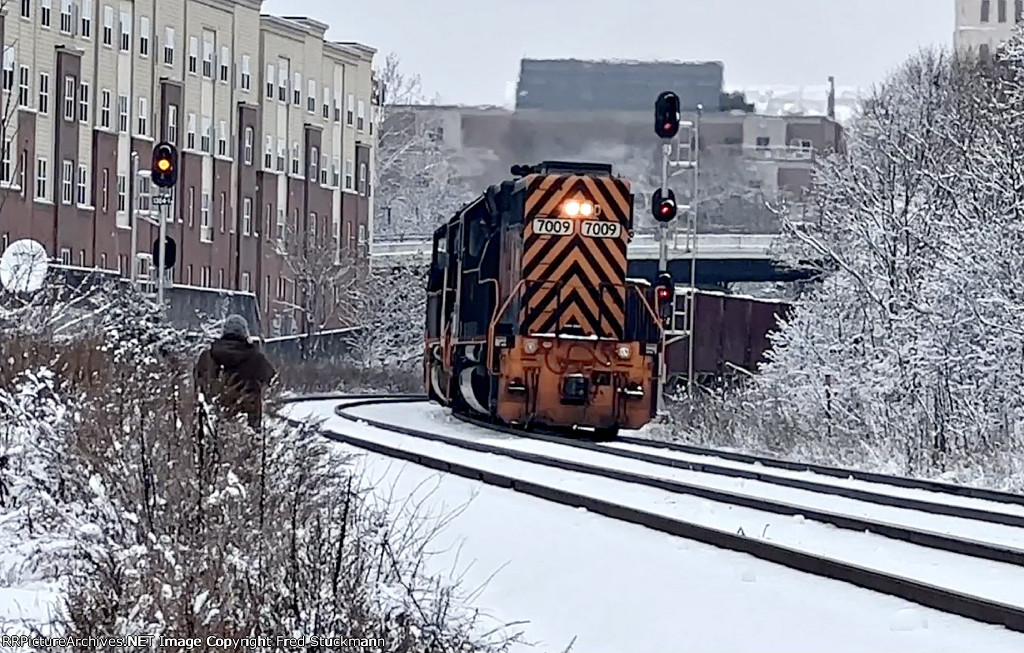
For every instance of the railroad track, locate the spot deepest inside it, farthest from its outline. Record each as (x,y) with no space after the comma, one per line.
(945,599)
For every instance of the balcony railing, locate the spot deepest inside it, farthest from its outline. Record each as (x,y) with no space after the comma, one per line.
(780,152)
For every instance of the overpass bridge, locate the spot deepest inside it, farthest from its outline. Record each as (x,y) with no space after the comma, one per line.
(721,258)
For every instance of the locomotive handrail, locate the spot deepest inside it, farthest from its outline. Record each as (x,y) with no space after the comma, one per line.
(499,311)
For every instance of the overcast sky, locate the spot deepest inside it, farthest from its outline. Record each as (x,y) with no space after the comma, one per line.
(468,51)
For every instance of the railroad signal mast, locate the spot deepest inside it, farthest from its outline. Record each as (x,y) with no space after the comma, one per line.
(164,174)
(680,151)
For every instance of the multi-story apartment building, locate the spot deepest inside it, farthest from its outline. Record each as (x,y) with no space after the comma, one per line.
(984,24)
(274,125)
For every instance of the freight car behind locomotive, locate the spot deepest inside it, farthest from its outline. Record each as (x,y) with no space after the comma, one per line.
(531,320)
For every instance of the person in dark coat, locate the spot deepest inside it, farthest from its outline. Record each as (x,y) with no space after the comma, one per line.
(234,372)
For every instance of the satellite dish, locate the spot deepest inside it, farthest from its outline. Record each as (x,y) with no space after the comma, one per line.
(23,266)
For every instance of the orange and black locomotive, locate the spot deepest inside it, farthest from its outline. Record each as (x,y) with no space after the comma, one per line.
(531,320)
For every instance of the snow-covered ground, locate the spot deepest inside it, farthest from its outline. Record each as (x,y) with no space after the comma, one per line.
(618,586)
(24,597)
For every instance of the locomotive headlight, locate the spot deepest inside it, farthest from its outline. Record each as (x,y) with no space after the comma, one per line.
(530,346)
(572,208)
(623,351)
(586,209)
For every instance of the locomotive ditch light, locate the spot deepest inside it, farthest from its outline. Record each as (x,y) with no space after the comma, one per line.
(530,345)
(623,351)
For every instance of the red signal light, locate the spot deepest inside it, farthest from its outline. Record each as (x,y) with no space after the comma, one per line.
(663,293)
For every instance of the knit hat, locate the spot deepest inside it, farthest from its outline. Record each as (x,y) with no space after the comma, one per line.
(235,325)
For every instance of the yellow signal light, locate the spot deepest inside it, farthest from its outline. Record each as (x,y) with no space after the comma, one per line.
(163,165)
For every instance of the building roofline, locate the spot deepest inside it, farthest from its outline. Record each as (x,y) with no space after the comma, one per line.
(284,26)
(624,62)
(310,24)
(362,48)
(230,5)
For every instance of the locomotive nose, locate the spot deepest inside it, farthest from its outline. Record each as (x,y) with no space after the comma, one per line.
(574,389)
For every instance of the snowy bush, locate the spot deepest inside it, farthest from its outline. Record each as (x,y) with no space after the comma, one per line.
(909,354)
(176,521)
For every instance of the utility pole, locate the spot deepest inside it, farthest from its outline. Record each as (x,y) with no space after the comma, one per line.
(695,206)
(133,218)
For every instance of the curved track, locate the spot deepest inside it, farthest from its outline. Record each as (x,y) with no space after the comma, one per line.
(940,598)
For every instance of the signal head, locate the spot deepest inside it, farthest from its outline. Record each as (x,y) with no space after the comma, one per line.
(666,115)
(664,208)
(164,172)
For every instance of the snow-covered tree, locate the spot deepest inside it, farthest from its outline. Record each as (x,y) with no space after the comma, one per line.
(391,302)
(910,352)
(416,179)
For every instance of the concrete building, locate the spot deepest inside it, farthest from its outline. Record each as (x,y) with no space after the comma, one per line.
(573,85)
(984,24)
(772,153)
(88,82)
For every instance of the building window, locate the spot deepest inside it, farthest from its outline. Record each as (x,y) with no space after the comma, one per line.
(327,103)
(81,258)
(5,165)
(282,82)
(223,212)
(986,8)
(311,96)
(44,93)
(222,138)
(42,174)
(104,190)
(245,76)
(86,19)
(281,149)
(1002,11)
(26,8)
(336,172)
(67,182)
(108,25)
(190,136)
(362,179)
(246,283)
(207,56)
(65,256)
(144,36)
(103,261)
(268,154)
(144,193)
(23,86)
(225,64)
(220,278)
(297,90)
(348,174)
(191,206)
(1018,11)
(270,81)
(105,109)
(204,139)
(280,224)
(247,145)
(172,124)
(126,31)
(295,159)
(69,98)
(122,193)
(169,46)
(247,216)
(361,116)
(44,13)
(204,276)
(66,19)
(83,185)
(193,53)
(83,102)
(143,116)
(323,170)
(122,111)
(9,68)
(314,159)
(205,227)
(350,109)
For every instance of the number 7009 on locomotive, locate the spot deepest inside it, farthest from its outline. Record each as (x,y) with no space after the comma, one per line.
(531,319)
